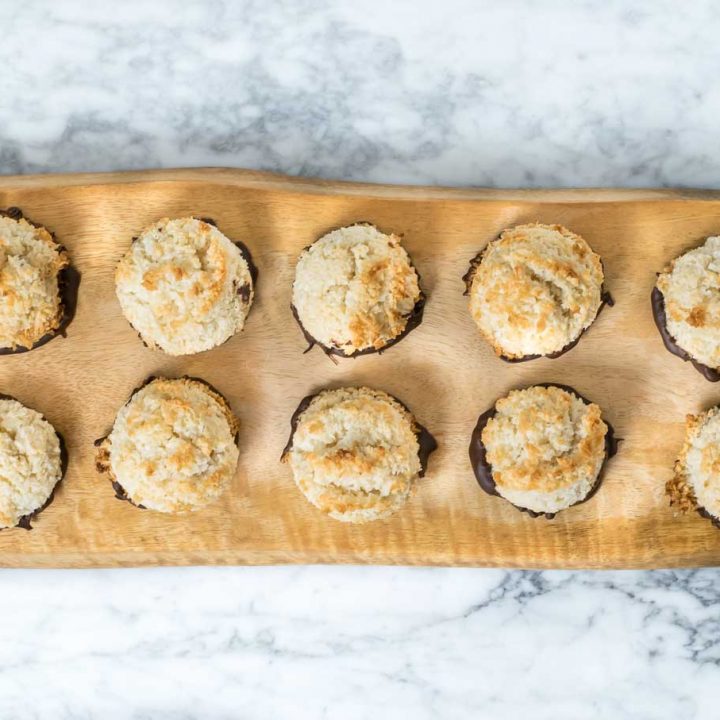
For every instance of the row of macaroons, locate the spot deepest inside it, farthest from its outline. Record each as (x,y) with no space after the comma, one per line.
(185,287)
(355,453)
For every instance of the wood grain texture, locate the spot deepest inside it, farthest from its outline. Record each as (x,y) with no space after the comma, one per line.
(443,371)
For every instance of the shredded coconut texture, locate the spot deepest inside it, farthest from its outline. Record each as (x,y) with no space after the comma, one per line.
(535,290)
(691,292)
(355,289)
(355,454)
(545,447)
(696,482)
(184,286)
(30,461)
(172,447)
(30,302)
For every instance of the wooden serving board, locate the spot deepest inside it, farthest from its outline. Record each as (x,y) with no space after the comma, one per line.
(443,370)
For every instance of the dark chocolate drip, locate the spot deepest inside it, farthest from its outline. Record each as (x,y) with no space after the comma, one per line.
(426,442)
(310,339)
(483,469)
(25,520)
(605,299)
(244,292)
(245,252)
(295,419)
(120,492)
(15,213)
(478,455)
(658,309)
(702,512)
(68,286)
(413,320)
(467,278)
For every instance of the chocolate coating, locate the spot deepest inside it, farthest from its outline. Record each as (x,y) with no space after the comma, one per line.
(25,520)
(413,320)
(68,286)
(605,299)
(658,309)
(120,492)
(702,512)
(483,469)
(426,442)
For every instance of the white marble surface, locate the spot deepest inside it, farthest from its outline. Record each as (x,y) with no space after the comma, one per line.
(520,92)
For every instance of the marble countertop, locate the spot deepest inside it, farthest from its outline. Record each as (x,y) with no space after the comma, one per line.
(463,92)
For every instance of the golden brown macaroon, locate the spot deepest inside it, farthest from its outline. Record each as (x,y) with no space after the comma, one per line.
(173,446)
(356,291)
(535,290)
(32,265)
(686,307)
(32,463)
(184,286)
(541,448)
(356,453)
(695,484)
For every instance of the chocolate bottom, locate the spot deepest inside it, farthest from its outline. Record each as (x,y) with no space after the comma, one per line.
(483,469)
(413,320)
(68,286)
(25,520)
(658,309)
(702,512)
(426,442)
(120,492)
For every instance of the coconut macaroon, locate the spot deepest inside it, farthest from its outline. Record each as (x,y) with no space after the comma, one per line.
(695,484)
(31,463)
(184,286)
(356,453)
(32,309)
(172,447)
(541,448)
(356,291)
(686,307)
(535,290)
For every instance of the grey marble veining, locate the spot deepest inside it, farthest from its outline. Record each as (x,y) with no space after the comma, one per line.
(521,92)
(359,642)
(513,93)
